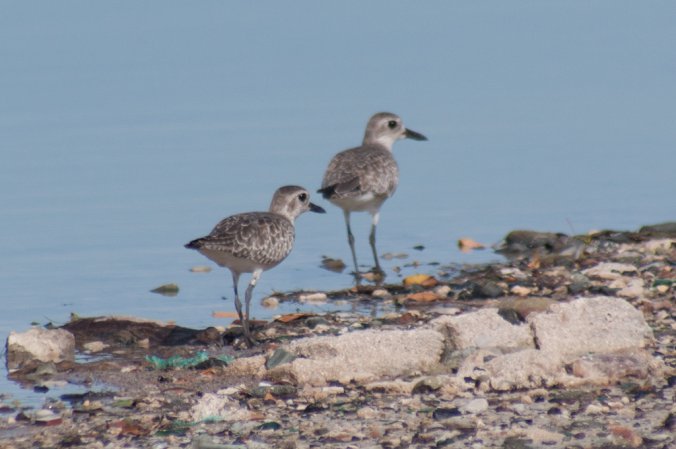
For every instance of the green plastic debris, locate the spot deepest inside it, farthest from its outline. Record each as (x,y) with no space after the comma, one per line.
(227,359)
(176,361)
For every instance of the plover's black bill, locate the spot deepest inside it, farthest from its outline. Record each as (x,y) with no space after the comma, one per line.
(318,209)
(410,134)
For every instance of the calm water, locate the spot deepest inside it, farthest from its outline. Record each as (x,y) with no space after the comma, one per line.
(126,132)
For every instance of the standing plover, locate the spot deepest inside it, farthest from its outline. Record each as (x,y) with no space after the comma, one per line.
(362,178)
(253,242)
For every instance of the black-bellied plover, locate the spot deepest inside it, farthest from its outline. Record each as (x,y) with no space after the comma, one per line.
(362,178)
(253,242)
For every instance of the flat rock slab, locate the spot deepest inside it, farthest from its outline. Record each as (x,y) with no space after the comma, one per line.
(44,345)
(597,340)
(484,328)
(363,356)
(599,324)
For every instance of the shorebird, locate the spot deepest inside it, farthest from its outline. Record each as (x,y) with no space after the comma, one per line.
(254,242)
(362,178)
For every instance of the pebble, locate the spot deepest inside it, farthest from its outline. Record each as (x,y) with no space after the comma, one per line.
(442,291)
(94,346)
(381,293)
(367,413)
(609,270)
(475,406)
(318,297)
(271,302)
(520,290)
(200,269)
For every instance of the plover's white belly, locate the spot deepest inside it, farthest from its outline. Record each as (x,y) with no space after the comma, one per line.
(367,201)
(238,264)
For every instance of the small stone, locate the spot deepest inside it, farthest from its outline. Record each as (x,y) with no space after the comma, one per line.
(442,291)
(475,406)
(331,264)
(596,409)
(45,345)
(662,288)
(578,283)
(443,413)
(609,270)
(279,357)
(367,413)
(200,269)
(271,302)
(627,434)
(166,290)
(510,274)
(520,290)
(47,418)
(144,343)
(381,293)
(318,297)
(632,289)
(94,346)
(487,289)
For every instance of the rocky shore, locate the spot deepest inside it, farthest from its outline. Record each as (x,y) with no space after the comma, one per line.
(569,343)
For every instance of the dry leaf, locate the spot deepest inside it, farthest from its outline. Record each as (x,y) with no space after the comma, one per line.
(220,314)
(289,317)
(467,245)
(423,297)
(421,279)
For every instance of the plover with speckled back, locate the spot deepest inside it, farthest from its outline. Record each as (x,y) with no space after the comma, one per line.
(362,178)
(254,242)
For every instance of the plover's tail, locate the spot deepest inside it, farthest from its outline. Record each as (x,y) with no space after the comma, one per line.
(340,189)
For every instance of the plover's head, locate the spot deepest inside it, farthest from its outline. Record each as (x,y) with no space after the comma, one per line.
(291,201)
(385,128)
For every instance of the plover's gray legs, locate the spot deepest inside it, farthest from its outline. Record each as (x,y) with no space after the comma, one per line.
(247,300)
(372,241)
(350,240)
(238,303)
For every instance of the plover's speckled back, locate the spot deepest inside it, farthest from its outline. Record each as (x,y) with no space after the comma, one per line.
(362,178)
(253,242)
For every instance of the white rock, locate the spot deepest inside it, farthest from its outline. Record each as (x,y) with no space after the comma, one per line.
(529,368)
(367,413)
(363,356)
(660,245)
(219,406)
(609,270)
(45,345)
(632,289)
(381,293)
(271,302)
(95,346)
(520,290)
(318,297)
(599,324)
(475,406)
(513,273)
(442,290)
(484,328)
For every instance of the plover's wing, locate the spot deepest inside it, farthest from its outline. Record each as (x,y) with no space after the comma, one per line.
(261,237)
(358,171)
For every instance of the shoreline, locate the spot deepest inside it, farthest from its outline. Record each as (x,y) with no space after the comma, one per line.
(461,359)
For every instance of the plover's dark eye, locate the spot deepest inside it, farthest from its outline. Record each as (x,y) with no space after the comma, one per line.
(303,197)
(392,124)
